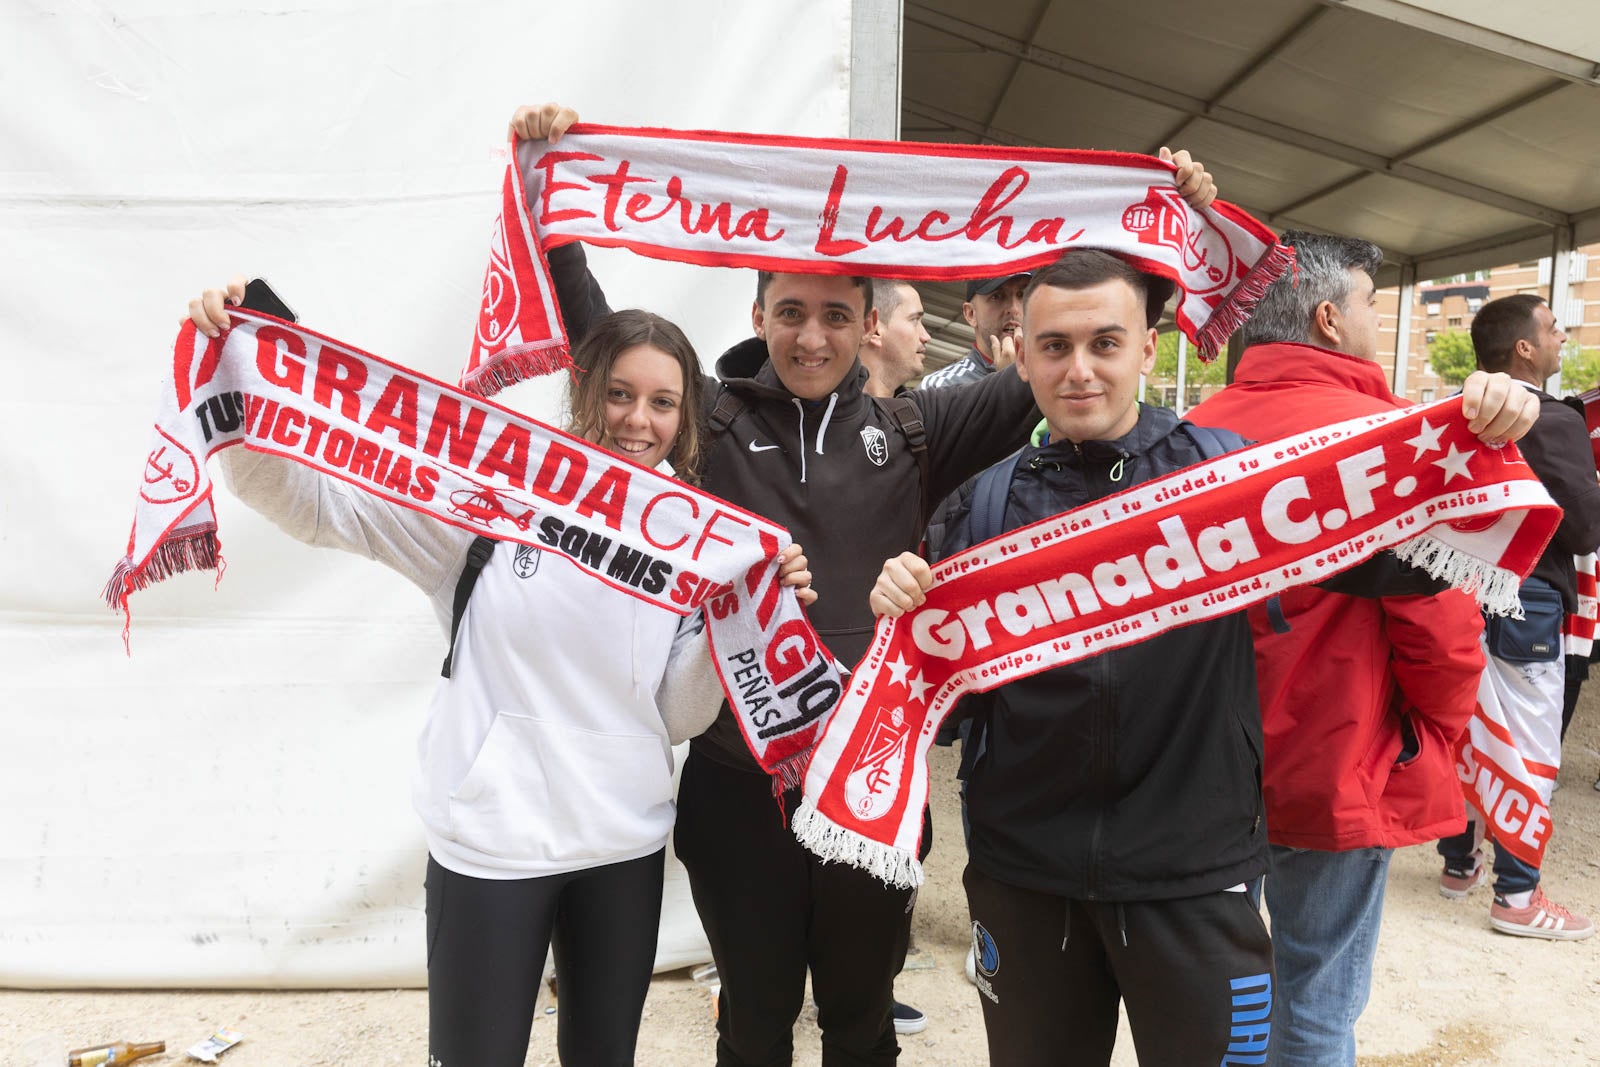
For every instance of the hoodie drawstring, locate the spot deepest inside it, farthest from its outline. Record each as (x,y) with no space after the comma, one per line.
(827,416)
(800,410)
(833,398)
(1122,925)
(1116,469)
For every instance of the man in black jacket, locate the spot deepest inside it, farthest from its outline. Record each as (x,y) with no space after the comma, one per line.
(1116,809)
(1520,335)
(796,438)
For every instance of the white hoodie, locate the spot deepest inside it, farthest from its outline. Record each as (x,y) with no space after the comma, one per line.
(546,750)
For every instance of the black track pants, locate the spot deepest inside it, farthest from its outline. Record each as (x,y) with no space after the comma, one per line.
(1196,975)
(486,949)
(771,909)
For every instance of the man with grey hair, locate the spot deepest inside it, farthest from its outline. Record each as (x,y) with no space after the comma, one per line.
(1364,691)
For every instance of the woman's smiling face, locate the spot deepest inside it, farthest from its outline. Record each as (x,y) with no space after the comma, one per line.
(643,405)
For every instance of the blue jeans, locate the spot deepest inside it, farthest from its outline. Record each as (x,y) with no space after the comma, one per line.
(1325,909)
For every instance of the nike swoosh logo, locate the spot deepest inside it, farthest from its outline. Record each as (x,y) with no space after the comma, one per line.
(762,448)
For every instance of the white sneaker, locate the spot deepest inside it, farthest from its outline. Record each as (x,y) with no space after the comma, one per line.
(908,1020)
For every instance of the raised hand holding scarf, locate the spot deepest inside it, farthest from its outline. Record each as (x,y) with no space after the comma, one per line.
(1203,542)
(279,388)
(894,209)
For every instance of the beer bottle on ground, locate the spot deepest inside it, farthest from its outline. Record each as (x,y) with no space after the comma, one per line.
(117,1052)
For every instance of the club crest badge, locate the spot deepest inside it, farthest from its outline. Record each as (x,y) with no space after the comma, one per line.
(985,953)
(502,302)
(526,561)
(170,472)
(873,783)
(1164,219)
(877,445)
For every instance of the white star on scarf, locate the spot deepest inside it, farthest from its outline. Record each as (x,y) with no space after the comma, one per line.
(1454,463)
(899,669)
(919,688)
(1426,441)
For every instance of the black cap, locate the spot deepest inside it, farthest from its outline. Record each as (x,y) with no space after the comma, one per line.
(985,286)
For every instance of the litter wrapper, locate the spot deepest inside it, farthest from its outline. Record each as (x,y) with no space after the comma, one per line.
(209,1050)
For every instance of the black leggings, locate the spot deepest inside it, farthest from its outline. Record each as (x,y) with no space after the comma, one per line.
(487,941)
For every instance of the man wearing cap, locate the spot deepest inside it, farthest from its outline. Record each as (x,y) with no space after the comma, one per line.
(994,311)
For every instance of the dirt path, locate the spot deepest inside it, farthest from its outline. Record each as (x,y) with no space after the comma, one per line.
(1446,989)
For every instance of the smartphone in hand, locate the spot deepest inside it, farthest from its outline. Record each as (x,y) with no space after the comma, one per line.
(258,296)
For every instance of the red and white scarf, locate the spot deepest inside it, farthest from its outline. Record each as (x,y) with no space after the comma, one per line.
(1577,635)
(279,388)
(1507,761)
(1204,542)
(830,206)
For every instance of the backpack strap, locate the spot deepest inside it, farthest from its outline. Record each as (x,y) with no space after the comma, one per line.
(1212,442)
(477,557)
(902,409)
(986,514)
(907,416)
(729,406)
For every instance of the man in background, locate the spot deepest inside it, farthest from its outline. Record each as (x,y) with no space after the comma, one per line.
(894,352)
(1525,674)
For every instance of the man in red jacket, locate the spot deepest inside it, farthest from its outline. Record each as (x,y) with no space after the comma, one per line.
(1362,697)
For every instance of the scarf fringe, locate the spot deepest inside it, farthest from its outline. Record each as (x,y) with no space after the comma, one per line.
(518,364)
(790,772)
(833,843)
(191,552)
(1233,311)
(1495,588)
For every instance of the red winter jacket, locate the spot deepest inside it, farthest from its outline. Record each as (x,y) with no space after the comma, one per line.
(1353,676)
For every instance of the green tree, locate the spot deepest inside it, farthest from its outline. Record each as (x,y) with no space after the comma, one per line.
(1165,372)
(1580,369)
(1451,355)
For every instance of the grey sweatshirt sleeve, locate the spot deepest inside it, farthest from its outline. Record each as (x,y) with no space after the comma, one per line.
(320,510)
(690,692)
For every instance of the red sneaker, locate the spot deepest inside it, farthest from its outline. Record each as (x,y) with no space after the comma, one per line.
(1455,885)
(1542,917)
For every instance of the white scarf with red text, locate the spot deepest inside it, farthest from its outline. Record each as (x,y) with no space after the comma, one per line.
(891,209)
(279,388)
(1194,545)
